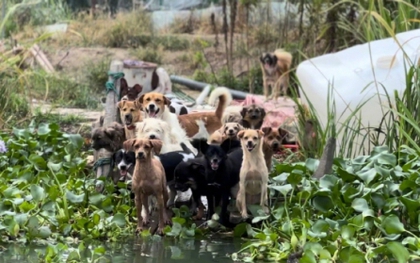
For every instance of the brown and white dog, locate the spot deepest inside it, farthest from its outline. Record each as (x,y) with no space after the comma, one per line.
(155,105)
(275,68)
(149,179)
(130,114)
(253,177)
(252,116)
(228,131)
(273,140)
(212,119)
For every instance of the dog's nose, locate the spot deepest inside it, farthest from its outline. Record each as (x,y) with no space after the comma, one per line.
(230,131)
(276,144)
(140,154)
(249,143)
(151,106)
(128,116)
(214,160)
(152,136)
(123,167)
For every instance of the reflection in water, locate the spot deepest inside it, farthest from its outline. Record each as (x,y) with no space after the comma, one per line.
(138,250)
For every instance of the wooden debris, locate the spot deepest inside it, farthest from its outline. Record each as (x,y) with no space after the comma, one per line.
(42,59)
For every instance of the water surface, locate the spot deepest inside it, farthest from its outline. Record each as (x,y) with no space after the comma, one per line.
(137,250)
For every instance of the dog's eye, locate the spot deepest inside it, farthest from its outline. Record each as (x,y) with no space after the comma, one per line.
(270,137)
(148,99)
(131,110)
(146,147)
(124,109)
(255,138)
(158,100)
(136,146)
(246,138)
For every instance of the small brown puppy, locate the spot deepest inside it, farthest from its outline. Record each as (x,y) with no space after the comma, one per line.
(273,140)
(149,179)
(275,68)
(131,93)
(252,116)
(228,131)
(110,138)
(253,177)
(130,113)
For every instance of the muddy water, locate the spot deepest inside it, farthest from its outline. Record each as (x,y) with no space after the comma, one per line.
(136,250)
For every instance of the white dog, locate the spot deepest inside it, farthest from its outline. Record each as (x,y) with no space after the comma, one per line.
(153,128)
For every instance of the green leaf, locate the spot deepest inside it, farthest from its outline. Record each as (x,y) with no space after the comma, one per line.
(119,219)
(37,192)
(54,166)
(328,181)
(308,257)
(356,259)
(96,219)
(400,252)
(44,232)
(38,162)
(99,250)
(322,203)
(367,175)
(284,189)
(43,129)
(76,199)
(360,205)
(392,225)
(311,164)
(75,139)
(319,229)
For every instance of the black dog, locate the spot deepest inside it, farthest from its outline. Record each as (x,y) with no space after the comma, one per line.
(213,175)
(125,162)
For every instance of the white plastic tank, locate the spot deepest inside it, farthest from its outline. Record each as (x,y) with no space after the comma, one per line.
(139,72)
(358,74)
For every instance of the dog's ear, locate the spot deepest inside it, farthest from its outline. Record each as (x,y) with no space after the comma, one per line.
(156,145)
(266,130)
(123,87)
(283,134)
(240,127)
(140,100)
(262,57)
(244,111)
(121,104)
(263,113)
(260,133)
(138,105)
(166,101)
(128,144)
(275,59)
(138,88)
(230,144)
(200,144)
(196,166)
(241,134)
(110,132)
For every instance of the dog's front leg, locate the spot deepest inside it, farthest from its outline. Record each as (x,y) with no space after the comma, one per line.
(146,200)
(265,87)
(163,217)
(172,195)
(197,202)
(242,198)
(139,206)
(210,203)
(225,202)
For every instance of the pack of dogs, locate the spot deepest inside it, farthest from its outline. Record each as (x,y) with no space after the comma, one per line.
(163,150)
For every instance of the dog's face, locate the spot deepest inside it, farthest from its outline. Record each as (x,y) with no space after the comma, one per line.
(268,60)
(231,129)
(253,112)
(154,104)
(275,137)
(129,112)
(107,137)
(131,93)
(124,160)
(143,148)
(250,139)
(152,129)
(185,173)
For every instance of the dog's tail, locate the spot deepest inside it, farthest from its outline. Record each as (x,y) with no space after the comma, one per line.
(203,95)
(284,59)
(185,148)
(225,98)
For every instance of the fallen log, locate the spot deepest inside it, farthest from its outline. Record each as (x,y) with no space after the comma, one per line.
(42,59)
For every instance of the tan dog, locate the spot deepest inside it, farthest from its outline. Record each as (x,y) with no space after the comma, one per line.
(149,179)
(130,114)
(275,68)
(253,177)
(228,131)
(252,116)
(273,140)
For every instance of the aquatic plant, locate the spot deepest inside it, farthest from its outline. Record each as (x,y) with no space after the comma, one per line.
(46,193)
(366,210)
